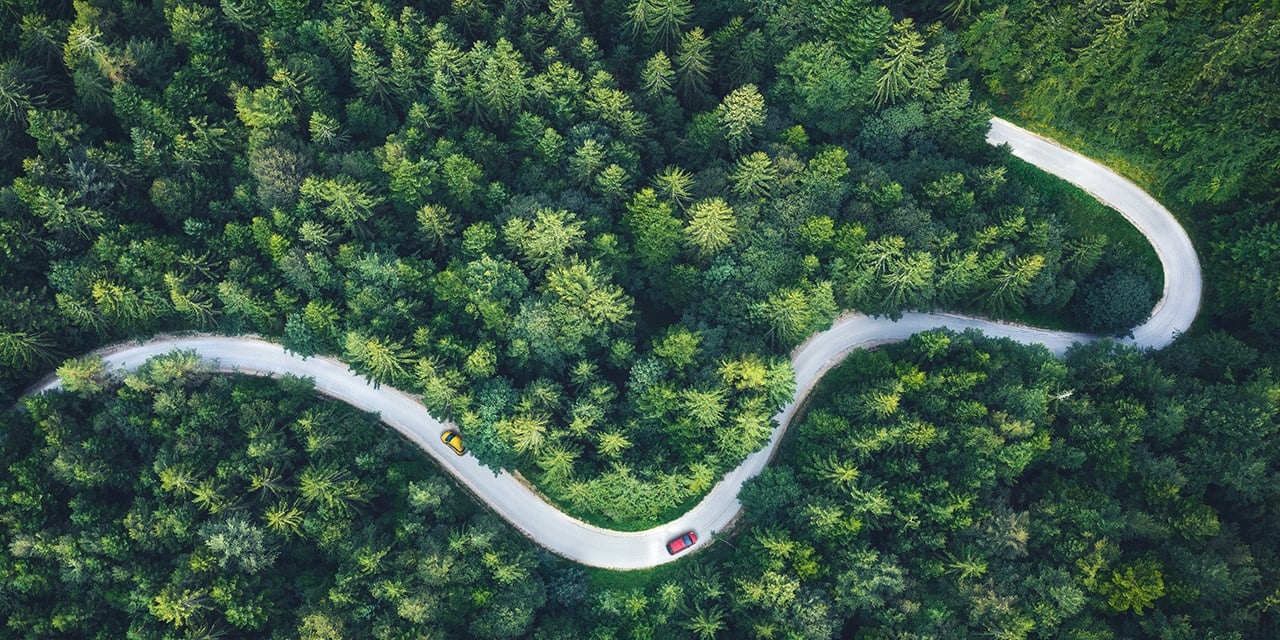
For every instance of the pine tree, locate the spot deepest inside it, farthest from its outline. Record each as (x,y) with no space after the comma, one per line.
(666,19)
(657,78)
(711,227)
(1010,282)
(899,63)
(552,234)
(753,176)
(23,349)
(436,224)
(655,231)
(742,115)
(381,360)
(706,623)
(909,281)
(693,64)
(675,185)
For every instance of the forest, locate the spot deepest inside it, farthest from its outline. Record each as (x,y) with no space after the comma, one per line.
(950,486)
(1180,96)
(577,235)
(581,231)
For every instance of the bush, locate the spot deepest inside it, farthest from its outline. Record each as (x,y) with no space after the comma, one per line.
(1114,303)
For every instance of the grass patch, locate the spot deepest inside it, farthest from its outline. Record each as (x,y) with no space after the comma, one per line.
(1056,320)
(611,580)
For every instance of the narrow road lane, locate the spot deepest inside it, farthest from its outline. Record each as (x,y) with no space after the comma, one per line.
(594,546)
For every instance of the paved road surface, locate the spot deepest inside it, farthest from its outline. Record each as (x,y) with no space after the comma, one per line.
(635,550)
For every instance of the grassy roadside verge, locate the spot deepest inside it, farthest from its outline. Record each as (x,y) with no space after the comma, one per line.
(1142,170)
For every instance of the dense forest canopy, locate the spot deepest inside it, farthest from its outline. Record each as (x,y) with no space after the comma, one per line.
(583,231)
(172,503)
(579,231)
(950,486)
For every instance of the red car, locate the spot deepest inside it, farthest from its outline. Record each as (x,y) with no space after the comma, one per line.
(683,542)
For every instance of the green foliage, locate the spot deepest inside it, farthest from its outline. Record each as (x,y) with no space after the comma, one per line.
(238,545)
(1136,587)
(711,227)
(545,241)
(742,113)
(658,76)
(660,21)
(822,89)
(82,375)
(1010,282)
(22,350)
(994,479)
(1115,302)
(692,64)
(447,193)
(655,231)
(792,314)
(145,557)
(1169,95)
(383,361)
(753,176)
(578,231)
(900,64)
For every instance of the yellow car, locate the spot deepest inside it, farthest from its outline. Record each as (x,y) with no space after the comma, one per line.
(454,441)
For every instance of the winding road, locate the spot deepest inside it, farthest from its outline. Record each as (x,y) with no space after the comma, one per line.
(587,544)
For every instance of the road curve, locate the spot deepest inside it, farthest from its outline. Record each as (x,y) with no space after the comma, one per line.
(581,542)
(1183,286)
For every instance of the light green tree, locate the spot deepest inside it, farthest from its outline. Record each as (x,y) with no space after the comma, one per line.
(179,607)
(909,281)
(22,349)
(675,185)
(1136,586)
(742,115)
(613,183)
(382,360)
(753,176)
(655,231)
(436,224)
(341,199)
(711,227)
(899,63)
(503,82)
(586,161)
(546,239)
(706,623)
(1010,282)
(657,78)
(238,545)
(612,443)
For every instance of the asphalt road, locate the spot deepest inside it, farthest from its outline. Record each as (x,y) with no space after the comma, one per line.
(546,525)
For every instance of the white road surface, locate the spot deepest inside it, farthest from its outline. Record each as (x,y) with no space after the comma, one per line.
(590,545)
